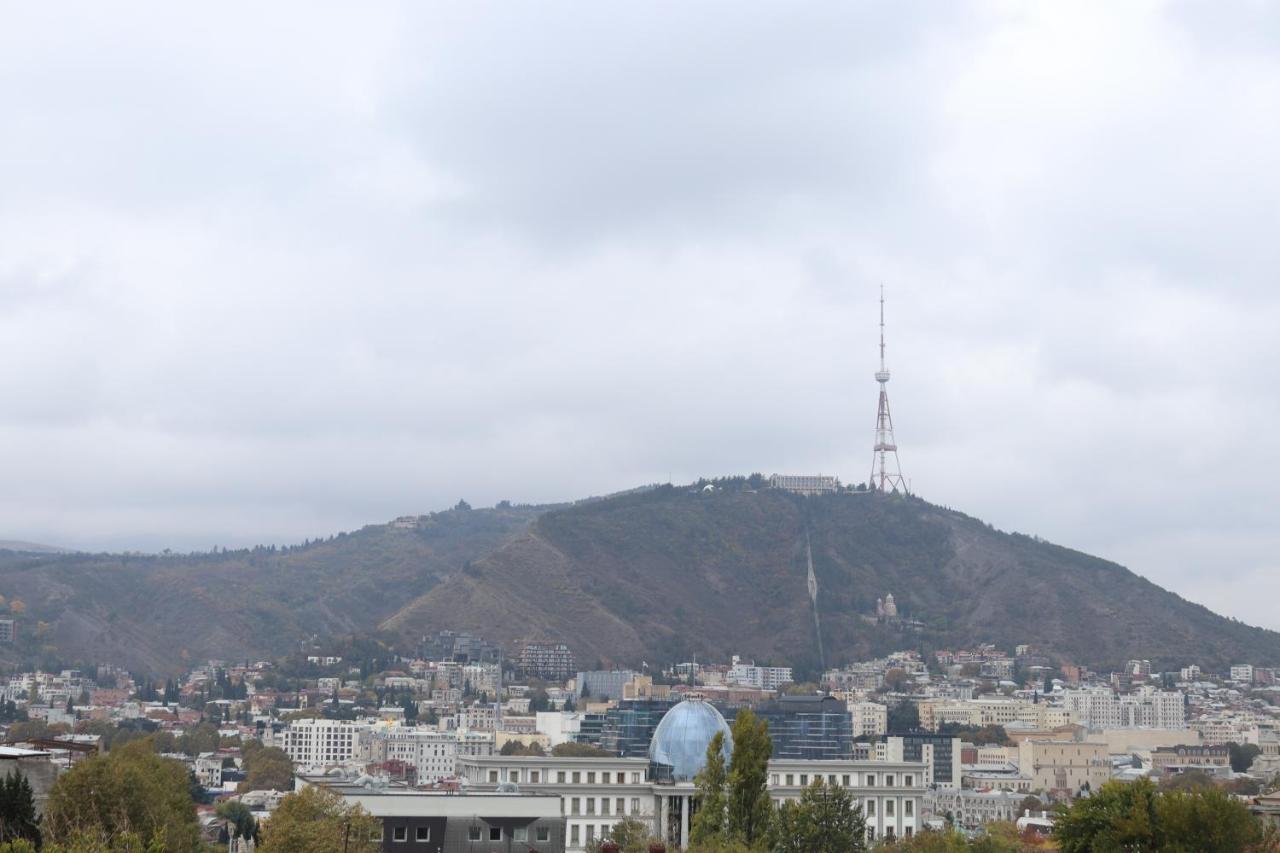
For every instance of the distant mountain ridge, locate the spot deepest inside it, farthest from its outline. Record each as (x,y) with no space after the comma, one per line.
(31,547)
(655,575)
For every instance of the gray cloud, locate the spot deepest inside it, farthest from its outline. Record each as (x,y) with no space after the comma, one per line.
(271,273)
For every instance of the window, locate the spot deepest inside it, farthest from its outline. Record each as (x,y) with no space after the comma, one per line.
(591,777)
(907,832)
(574,806)
(620,806)
(513,775)
(804,780)
(888,780)
(791,780)
(871,833)
(577,778)
(400,833)
(560,776)
(871,780)
(543,833)
(844,780)
(888,808)
(591,805)
(871,808)
(774,780)
(635,805)
(519,834)
(604,805)
(635,778)
(423,834)
(473,833)
(493,776)
(591,832)
(908,808)
(495,833)
(534,776)
(377,834)
(907,780)
(573,835)
(831,779)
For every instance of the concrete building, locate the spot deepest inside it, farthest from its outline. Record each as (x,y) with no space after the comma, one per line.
(432,753)
(1101,708)
(1242,672)
(552,661)
(36,765)
(603,683)
(319,742)
(759,677)
(804,484)
(429,822)
(1214,760)
(971,809)
(1064,766)
(869,719)
(8,630)
(940,752)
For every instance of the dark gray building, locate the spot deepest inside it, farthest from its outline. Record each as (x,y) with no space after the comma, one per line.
(809,728)
(433,822)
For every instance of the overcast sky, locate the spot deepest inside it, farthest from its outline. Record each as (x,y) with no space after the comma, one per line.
(271,271)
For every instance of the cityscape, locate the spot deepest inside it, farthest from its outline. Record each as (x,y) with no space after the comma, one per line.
(434,428)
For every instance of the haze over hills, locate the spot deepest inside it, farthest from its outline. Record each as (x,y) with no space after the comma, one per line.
(655,576)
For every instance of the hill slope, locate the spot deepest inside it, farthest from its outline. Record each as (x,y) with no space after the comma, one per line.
(654,576)
(156,613)
(671,574)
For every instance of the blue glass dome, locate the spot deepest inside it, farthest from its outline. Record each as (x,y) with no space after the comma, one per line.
(681,738)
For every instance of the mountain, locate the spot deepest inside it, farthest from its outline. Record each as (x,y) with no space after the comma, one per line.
(658,575)
(30,547)
(675,573)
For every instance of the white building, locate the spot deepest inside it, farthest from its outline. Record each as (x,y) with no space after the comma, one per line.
(1100,708)
(319,742)
(804,484)
(432,753)
(1242,672)
(870,719)
(759,677)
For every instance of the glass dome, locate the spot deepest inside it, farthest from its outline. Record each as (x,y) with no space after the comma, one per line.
(681,738)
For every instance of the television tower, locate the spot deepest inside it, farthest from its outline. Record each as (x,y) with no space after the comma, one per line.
(886,473)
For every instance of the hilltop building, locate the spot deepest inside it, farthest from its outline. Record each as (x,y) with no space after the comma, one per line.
(805,484)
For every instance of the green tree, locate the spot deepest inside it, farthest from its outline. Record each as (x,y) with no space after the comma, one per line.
(18,819)
(266,768)
(823,820)
(580,750)
(903,717)
(240,817)
(928,841)
(748,805)
(709,819)
(630,835)
(129,793)
(1242,755)
(317,820)
(1206,821)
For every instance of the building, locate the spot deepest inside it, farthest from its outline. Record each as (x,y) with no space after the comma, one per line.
(659,790)
(759,677)
(1183,758)
(627,729)
(970,809)
(811,728)
(8,630)
(552,661)
(430,822)
(1101,708)
(805,484)
(34,764)
(433,754)
(1064,766)
(321,743)
(603,683)
(1241,672)
(868,719)
(940,752)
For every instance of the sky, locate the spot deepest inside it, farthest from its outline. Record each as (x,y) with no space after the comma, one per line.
(272,271)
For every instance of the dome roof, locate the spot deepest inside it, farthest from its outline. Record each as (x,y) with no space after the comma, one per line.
(681,738)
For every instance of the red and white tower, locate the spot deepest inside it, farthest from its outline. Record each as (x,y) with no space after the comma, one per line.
(886,473)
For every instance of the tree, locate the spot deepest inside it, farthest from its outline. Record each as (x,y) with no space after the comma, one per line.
(240,817)
(571,749)
(748,805)
(515,747)
(18,819)
(709,820)
(128,793)
(266,768)
(903,717)
(824,820)
(1242,755)
(1135,816)
(317,820)
(630,835)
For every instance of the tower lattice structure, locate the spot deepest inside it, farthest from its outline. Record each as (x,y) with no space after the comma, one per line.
(886,472)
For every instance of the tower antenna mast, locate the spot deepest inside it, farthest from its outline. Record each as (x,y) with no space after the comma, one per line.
(886,473)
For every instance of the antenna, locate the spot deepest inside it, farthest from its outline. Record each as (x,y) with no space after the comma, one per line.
(886,473)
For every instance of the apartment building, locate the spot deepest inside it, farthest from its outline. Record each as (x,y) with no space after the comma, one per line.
(432,753)
(1101,708)
(1064,765)
(870,719)
(320,742)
